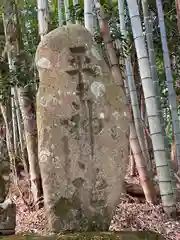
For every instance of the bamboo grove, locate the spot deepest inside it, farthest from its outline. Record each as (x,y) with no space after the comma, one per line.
(139,41)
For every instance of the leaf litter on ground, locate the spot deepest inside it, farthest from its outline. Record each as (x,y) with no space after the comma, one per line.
(130,214)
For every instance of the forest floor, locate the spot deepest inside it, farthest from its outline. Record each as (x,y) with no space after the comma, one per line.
(131,214)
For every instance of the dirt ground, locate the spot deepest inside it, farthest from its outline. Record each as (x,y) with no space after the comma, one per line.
(131,214)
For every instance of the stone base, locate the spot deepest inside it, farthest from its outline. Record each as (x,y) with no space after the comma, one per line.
(6,232)
(91,236)
(7,217)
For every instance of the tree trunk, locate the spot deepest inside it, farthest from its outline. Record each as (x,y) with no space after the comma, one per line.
(144,176)
(163,171)
(4,161)
(173,154)
(43,17)
(76,7)
(7,116)
(152,60)
(60,12)
(132,91)
(132,164)
(30,127)
(178,13)
(90,21)
(135,190)
(17,54)
(152,57)
(14,125)
(67,11)
(23,148)
(15,136)
(169,80)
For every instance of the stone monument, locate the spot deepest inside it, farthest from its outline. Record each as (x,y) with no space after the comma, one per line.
(82,132)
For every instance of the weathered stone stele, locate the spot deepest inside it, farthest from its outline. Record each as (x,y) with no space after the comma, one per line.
(82,132)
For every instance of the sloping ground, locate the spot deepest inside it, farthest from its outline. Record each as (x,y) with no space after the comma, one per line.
(138,216)
(130,215)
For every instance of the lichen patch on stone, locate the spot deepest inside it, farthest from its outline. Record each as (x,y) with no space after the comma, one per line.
(98,89)
(95,53)
(44,63)
(116,115)
(101,115)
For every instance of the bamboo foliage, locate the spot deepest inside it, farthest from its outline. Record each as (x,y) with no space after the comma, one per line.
(76,7)
(28,113)
(136,115)
(43,17)
(151,50)
(132,90)
(20,133)
(16,115)
(163,172)
(20,113)
(132,164)
(76,4)
(169,80)
(6,111)
(110,2)
(152,61)
(178,14)
(14,125)
(145,178)
(60,12)
(67,11)
(152,56)
(89,16)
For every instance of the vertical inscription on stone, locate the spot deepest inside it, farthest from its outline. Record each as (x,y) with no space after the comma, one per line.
(82,67)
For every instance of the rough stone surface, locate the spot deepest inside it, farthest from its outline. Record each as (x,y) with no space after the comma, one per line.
(91,236)
(82,132)
(7,217)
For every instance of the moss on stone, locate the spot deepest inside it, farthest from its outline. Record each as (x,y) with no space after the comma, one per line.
(64,205)
(124,235)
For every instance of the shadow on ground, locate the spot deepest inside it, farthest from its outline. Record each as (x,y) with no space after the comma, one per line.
(88,236)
